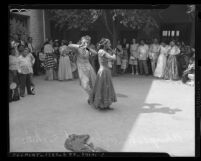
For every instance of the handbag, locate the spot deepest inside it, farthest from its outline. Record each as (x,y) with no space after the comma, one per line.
(132,57)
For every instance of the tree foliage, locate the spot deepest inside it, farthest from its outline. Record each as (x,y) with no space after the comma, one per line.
(16,27)
(84,18)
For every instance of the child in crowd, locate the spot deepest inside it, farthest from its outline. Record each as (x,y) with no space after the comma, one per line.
(41,61)
(50,61)
(31,61)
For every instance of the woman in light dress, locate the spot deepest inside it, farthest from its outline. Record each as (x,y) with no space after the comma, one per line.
(65,71)
(86,72)
(119,50)
(162,59)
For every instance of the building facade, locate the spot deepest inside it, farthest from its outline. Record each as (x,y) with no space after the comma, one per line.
(32,23)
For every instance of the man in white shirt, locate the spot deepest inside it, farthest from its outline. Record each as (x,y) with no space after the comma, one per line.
(25,70)
(143,55)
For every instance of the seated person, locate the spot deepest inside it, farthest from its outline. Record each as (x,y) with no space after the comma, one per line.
(189,70)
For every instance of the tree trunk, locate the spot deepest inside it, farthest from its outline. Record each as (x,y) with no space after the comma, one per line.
(114,44)
(192,42)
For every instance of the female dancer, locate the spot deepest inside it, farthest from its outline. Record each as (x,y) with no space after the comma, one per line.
(103,93)
(86,72)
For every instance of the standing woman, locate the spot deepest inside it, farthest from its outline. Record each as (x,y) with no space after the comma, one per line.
(162,59)
(103,93)
(50,63)
(64,72)
(86,72)
(171,70)
(119,50)
(134,56)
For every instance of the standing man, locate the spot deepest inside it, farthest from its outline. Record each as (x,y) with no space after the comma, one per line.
(32,50)
(153,54)
(143,50)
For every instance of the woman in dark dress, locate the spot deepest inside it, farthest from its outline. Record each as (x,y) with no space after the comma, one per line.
(103,94)
(171,71)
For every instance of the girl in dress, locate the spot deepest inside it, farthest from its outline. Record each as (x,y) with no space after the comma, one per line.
(134,57)
(171,70)
(161,63)
(86,72)
(50,61)
(119,56)
(103,92)
(64,72)
(124,59)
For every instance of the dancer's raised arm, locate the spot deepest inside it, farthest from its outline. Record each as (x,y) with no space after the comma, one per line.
(107,55)
(73,46)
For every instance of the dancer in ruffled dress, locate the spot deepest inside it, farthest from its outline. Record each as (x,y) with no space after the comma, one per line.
(103,94)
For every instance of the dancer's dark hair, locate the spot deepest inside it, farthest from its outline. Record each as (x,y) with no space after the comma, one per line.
(102,43)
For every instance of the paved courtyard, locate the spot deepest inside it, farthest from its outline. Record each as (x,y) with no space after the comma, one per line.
(151,115)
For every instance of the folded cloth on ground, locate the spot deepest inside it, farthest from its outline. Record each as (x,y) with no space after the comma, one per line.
(78,143)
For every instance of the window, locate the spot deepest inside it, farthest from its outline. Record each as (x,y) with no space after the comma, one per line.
(177,33)
(164,33)
(172,33)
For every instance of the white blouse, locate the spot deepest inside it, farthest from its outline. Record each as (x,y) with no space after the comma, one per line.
(13,62)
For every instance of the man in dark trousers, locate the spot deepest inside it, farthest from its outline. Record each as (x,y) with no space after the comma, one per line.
(35,54)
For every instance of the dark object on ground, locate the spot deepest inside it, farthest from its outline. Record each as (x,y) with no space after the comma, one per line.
(78,143)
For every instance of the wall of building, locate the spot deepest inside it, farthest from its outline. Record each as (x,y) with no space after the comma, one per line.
(35,26)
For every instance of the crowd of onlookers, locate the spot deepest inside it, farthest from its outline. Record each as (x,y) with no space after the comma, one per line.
(172,60)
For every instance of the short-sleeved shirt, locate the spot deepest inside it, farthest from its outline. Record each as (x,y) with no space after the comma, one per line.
(143,52)
(25,67)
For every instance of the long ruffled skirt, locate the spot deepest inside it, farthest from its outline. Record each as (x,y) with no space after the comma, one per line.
(65,71)
(87,77)
(171,70)
(161,64)
(103,93)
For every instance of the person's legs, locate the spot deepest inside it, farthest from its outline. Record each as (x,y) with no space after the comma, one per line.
(141,66)
(28,83)
(22,84)
(136,68)
(152,66)
(145,67)
(132,69)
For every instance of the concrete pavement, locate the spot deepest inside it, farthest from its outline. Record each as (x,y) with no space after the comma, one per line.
(151,115)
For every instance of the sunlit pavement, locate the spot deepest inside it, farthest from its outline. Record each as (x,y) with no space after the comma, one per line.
(151,115)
